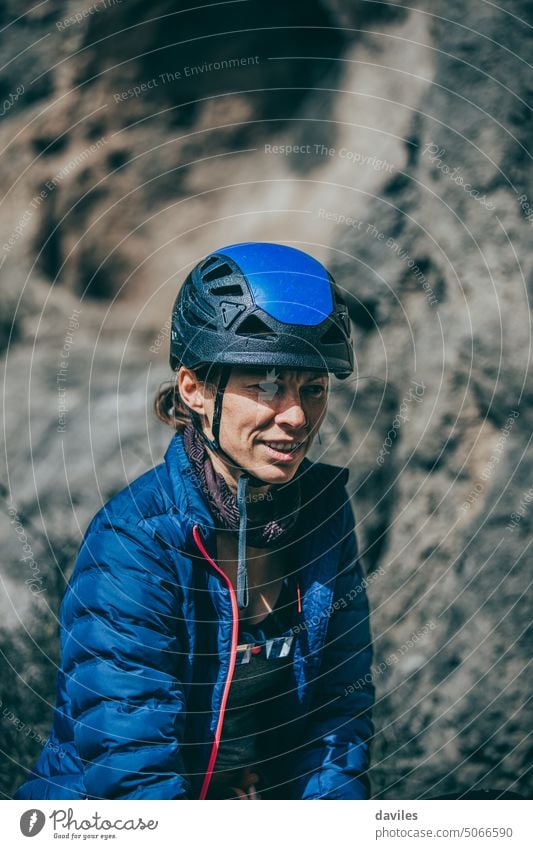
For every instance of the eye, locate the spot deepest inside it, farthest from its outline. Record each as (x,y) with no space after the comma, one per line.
(315,389)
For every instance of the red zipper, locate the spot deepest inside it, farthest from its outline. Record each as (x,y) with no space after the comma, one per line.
(234,642)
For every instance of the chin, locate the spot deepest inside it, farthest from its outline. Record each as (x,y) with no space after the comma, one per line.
(276,474)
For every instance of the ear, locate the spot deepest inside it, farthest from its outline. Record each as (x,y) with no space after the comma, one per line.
(191,390)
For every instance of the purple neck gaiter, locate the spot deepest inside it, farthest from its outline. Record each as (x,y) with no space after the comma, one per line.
(279,509)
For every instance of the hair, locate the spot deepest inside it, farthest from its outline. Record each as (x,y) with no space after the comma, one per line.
(169,406)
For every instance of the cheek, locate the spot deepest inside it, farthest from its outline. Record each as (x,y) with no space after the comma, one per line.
(316,412)
(241,417)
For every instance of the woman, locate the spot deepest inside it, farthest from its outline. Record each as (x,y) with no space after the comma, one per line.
(215,639)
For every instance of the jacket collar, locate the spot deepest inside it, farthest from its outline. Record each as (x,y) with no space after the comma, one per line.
(186,491)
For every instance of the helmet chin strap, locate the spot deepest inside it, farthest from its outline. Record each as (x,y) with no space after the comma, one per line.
(246,479)
(214,444)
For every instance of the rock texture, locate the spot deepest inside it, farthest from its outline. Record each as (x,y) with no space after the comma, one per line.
(135,137)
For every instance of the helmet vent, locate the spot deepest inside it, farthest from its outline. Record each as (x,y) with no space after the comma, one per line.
(234,289)
(332,336)
(223,270)
(201,305)
(196,320)
(209,262)
(253,326)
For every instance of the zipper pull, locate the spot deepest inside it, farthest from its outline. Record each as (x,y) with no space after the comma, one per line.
(299,597)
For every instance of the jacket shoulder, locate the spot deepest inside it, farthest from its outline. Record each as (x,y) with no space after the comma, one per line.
(144,498)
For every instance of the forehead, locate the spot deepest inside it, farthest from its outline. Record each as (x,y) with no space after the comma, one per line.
(275,373)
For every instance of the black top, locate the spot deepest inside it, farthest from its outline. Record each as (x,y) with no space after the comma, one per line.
(261,676)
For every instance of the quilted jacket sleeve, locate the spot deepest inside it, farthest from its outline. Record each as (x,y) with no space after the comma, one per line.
(120,653)
(334,761)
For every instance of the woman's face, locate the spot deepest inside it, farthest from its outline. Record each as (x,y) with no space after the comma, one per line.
(269,420)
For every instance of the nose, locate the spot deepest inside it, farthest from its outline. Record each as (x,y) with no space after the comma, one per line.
(290,411)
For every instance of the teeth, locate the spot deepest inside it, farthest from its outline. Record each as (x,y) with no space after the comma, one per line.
(282,446)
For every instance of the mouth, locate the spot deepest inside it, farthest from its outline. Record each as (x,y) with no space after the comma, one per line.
(284,450)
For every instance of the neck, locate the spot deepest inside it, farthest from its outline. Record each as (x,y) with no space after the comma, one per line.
(232,475)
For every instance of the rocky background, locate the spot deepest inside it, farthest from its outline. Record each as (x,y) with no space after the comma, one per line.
(393,143)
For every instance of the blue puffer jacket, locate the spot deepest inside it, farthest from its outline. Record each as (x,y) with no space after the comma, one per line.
(148,638)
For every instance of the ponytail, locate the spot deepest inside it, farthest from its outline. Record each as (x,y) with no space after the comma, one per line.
(169,407)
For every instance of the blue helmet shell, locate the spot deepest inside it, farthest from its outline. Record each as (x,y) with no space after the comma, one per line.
(286,283)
